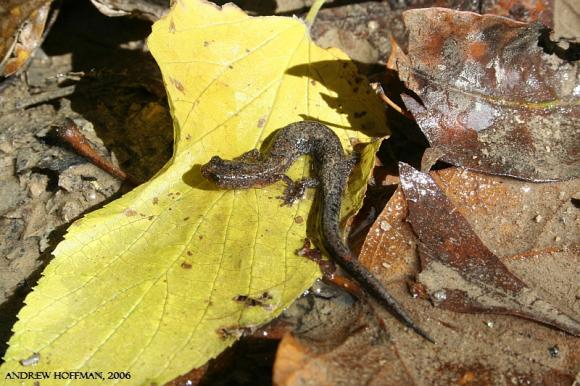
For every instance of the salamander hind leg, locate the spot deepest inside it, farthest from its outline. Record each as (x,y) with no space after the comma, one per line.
(295,189)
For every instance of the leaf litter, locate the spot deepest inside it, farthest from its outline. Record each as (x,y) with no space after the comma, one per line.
(474,347)
(487,95)
(458,270)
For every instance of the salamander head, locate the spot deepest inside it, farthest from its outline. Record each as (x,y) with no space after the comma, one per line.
(214,171)
(227,174)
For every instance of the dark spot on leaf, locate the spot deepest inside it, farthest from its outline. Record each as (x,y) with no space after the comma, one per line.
(186,218)
(298,219)
(189,253)
(188,137)
(261,122)
(315,255)
(177,84)
(186,265)
(155,200)
(129,212)
(248,301)
(205,43)
(234,331)
(230,67)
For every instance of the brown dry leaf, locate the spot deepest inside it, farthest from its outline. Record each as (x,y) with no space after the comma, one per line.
(534,225)
(22,25)
(458,270)
(522,10)
(491,99)
(340,343)
(151,10)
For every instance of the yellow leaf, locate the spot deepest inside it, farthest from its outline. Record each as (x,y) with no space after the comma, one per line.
(153,283)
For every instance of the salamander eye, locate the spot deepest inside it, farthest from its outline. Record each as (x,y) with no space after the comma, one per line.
(208,170)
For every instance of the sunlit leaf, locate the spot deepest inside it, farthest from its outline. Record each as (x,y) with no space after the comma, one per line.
(151,283)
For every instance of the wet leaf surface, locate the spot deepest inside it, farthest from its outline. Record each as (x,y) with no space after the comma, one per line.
(488,96)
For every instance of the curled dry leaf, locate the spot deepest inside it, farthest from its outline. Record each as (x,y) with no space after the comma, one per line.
(22,25)
(490,98)
(459,271)
(144,9)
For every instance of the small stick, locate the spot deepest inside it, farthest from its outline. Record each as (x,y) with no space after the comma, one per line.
(71,133)
(376,86)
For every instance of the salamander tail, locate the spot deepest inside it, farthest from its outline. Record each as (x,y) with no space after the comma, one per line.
(374,287)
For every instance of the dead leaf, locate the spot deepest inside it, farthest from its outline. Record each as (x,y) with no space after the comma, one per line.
(459,271)
(336,342)
(471,349)
(490,99)
(22,25)
(150,10)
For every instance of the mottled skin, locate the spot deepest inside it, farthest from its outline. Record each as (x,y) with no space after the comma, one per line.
(333,168)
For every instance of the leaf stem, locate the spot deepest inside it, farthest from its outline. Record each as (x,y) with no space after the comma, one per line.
(313,12)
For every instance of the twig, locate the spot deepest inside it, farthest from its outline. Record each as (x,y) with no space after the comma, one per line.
(43,97)
(71,133)
(376,86)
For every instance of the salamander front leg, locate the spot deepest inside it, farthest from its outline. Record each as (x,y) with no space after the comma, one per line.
(295,189)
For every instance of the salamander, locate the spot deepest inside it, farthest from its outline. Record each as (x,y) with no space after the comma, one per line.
(254,169)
